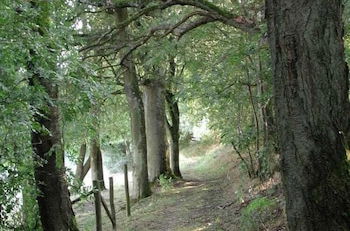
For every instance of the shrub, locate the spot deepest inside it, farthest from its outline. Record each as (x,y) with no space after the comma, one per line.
(165,182)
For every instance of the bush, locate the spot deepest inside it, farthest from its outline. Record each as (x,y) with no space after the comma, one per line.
(256,214)
(165,182)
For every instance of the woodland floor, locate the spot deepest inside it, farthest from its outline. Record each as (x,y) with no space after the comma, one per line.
(213,195)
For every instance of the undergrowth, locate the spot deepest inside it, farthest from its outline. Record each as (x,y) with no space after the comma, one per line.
(165,182)
(257,214)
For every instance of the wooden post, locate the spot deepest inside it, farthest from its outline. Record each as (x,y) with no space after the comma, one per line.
(126,184)
(111,201)
(98,211)
(109,214)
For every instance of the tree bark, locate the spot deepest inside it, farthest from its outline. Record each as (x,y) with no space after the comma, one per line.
(154,101)
(80,164)
(86,168)
(141,188)
(174,131)
(96,163)
(312,111)
(55,207)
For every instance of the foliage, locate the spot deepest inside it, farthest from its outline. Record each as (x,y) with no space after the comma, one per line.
(165,182)
(19,101)
(256,214)
(215,65)
(235,94)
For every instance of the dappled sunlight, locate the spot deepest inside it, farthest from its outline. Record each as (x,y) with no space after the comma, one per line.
(202,227)
(191,186)
(191,183)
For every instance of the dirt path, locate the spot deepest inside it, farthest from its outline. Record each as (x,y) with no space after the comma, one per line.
(211,197)
(191,205)
(204,200)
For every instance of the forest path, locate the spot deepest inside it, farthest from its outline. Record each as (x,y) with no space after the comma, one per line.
(204,200)
(190,206)
(201,201)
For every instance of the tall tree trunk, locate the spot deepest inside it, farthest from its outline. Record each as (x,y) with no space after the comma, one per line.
(141,188)
(80,164)
(312,110)
(154,101)
(174,131)
(262,105)
(55,208)
(54,203)
(82,167)
(86,168)
(96,162)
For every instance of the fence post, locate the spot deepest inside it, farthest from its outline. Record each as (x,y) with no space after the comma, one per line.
(111,201)
(126,184)
(98,212)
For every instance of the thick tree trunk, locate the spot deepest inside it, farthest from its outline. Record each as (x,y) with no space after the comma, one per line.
(141,188)
(96,162)
(154,101)
(55,208)
(174,131)
(54,203)
(311,96)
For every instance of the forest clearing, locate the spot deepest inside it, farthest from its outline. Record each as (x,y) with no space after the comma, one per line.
(186,115)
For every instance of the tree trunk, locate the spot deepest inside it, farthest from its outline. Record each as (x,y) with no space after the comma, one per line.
(54,203)
(141,188)
(55,208)
(174,131)
(96,162)
(311,96)
(86,168)
(80,164)
(154,101)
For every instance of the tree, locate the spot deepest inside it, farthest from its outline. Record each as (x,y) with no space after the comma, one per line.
(16,162)
(312,111)
(173,127)
(54,203)
(173,122)
(55,207)
(83,166)
(96,163)
(154,101)
(141,188)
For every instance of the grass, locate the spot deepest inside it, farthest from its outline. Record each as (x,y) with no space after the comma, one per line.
(192,204)
(165,182)
(257,214)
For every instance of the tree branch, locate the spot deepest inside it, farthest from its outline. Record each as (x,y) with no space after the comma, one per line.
(215,12)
